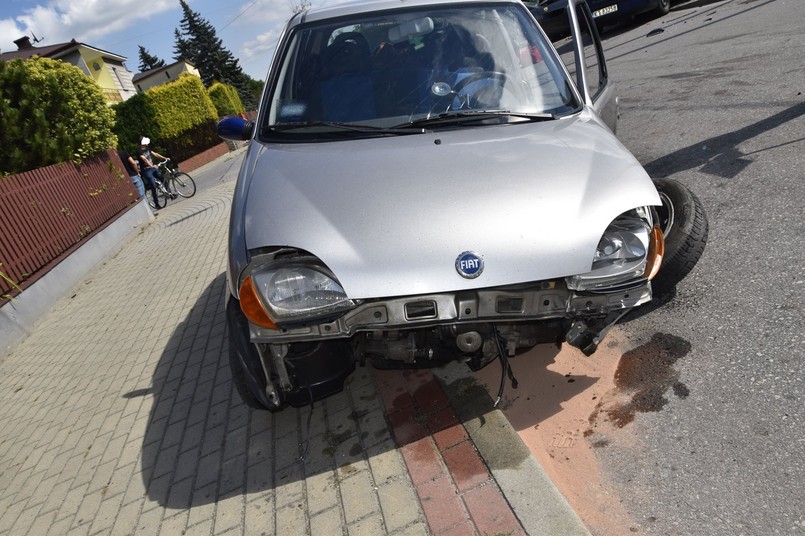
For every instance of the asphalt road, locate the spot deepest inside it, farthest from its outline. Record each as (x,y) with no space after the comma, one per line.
(716,101)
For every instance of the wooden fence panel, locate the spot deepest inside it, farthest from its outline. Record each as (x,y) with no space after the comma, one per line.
(48,212)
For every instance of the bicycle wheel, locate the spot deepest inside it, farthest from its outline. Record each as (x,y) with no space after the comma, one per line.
(162,199)
(184,184)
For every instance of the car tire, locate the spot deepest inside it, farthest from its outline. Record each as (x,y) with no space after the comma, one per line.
(685,228)
(663,7)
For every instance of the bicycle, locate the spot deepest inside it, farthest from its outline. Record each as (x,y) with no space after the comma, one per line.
(182,183)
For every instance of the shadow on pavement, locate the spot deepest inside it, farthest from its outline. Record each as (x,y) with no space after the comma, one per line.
(202,444)
(720,155)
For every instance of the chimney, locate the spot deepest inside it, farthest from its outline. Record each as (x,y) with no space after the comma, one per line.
(23,43)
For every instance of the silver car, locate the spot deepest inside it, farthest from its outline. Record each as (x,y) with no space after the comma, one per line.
(430,181)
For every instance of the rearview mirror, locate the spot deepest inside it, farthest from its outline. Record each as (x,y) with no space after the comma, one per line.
(411,28)
(235,129)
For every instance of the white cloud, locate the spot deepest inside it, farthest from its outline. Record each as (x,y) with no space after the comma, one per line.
(83,20)
(9,31)
(262,45)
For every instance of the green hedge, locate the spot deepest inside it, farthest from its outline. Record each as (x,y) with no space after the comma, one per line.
(134,118)
(50,112)
(179,117)
(226,99)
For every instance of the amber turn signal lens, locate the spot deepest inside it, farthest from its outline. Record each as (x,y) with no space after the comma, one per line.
(251,306)
(656,251)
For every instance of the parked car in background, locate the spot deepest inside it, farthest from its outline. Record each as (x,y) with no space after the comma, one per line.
(553,19)
(426,182)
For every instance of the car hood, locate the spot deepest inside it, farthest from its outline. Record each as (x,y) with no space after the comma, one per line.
(389,216)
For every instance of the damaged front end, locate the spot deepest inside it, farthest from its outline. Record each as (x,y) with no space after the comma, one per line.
(307,335)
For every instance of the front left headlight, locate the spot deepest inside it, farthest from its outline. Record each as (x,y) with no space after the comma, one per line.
(620,258)
(293,293)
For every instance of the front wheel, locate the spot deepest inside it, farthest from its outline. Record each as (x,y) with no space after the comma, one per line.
(685,228)
(161,201)
(663,7)
(183,184)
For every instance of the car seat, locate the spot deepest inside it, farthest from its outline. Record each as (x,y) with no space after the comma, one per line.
(346,89)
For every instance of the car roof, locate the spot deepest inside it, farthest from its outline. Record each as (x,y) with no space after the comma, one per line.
(370,6)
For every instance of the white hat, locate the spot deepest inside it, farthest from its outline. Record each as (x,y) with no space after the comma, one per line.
(145,141)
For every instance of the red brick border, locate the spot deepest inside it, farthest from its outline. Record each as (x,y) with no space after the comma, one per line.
(454,486)
(195,162)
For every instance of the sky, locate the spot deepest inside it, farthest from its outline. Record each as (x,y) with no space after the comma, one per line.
(249,29)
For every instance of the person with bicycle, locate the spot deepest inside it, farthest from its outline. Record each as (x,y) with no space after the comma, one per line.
(148,170)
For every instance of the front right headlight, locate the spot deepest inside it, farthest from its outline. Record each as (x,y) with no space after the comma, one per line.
(621,256)
(293,293)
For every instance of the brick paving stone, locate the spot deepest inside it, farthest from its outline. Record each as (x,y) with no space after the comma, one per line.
(464,528)
(233,476)
(359,496)
(465,466)
(175,524)
(327,522)
(203,505)
(399,504)
(423,461)
(104,519)
(228,514)
(82,530)
(322,492)
(419,528)
(408,425)
(202,529)
(24,521)
(39,526)
(450,436)
(126,519)
(386,463)
(292,520)
(489,511)
(368,526)
(149,522)
(259,516)
(443,507)
(59,528)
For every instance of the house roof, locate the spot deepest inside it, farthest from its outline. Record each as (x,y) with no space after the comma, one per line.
(151,72)
(26,51)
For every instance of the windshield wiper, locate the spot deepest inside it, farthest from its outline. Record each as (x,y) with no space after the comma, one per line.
(365,129)
(473,115)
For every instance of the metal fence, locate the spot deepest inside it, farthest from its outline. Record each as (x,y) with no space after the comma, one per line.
(47,213)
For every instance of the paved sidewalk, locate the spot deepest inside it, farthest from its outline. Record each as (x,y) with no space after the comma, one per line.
(119,417)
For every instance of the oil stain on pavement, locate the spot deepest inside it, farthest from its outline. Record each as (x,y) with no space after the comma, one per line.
(642,380)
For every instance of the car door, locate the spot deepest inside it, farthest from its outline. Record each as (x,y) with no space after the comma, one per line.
(583,55)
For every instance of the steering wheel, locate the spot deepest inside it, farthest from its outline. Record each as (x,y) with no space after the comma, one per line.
(487,95)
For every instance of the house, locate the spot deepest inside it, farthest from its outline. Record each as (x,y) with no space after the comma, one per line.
(163,75)
(107,69)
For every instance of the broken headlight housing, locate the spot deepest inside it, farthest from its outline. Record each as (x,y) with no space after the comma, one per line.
(623,253)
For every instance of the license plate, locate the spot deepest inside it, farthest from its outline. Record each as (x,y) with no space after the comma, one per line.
(605,11)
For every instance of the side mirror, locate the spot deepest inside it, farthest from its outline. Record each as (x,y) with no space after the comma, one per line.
(235,129)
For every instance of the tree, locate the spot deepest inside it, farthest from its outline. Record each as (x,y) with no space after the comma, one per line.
(198,43)
(50,112)
(149,61)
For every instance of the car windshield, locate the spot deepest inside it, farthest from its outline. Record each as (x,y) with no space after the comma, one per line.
(383,73)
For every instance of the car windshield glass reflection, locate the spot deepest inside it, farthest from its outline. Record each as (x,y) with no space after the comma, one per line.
(399,68)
